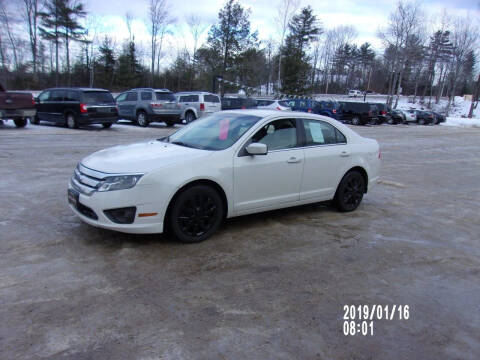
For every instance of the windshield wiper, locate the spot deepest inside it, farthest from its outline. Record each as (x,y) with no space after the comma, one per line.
(183,144)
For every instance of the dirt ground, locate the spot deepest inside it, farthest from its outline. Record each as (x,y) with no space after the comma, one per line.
(267,286)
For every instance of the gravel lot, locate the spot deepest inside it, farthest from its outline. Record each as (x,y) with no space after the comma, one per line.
(268,286)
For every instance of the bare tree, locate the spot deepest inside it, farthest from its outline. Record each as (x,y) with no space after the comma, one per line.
(31,14)
(197,27)
(128,22)
(158,16)
(404,22)
(285,11)
(464,39)
(5,17)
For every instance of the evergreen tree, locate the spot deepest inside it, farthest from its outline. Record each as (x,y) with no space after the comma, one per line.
(303,28)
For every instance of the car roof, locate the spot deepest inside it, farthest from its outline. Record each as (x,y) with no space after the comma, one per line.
(76,88)
(194,93)
(150,89)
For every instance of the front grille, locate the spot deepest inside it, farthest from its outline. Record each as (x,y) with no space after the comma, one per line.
(86,180)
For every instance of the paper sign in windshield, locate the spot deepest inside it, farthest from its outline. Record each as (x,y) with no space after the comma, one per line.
(224,125)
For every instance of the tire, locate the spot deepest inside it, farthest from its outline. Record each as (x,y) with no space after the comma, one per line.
(20,122)
(196,214)
(142,119)
(169,123)
(107,125)
(421,121)
(34,120)
(373,122)
(434,121)
(70,121)
(350,191)
(190,116)
(356,121)
(391,121)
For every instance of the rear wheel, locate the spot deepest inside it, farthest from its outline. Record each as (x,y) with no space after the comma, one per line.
(350,191)
(71,121)
(190,116)
(107,125)
(196,214)
(355,120)
(34,120)
(142,119)
(20,122)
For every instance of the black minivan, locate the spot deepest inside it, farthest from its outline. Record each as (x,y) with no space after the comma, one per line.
(76,106)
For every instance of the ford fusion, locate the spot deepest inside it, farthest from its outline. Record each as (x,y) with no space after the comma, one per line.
(228,164)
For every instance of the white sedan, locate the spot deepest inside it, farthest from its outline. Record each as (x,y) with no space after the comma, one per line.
(228,164)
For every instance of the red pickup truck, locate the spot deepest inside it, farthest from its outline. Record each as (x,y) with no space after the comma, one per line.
(18,106)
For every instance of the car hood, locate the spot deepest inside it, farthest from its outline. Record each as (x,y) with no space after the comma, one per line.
(140,157)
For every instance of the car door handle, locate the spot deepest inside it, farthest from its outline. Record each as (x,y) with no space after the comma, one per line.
(293,159)
(344,153)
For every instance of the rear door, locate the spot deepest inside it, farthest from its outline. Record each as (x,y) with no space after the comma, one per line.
(100,104)
(168,101)
(327,158)
(121,105)
(212,103)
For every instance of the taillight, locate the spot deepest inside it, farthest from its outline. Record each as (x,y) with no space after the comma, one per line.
(202,107)
(309,110)
(334,111)
(383,112)
(33,101)
(156,105)
(83,108)
(243,107)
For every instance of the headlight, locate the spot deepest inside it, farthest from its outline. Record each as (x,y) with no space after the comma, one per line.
(119,182)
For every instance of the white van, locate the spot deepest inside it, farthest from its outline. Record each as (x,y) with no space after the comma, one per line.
(355,93)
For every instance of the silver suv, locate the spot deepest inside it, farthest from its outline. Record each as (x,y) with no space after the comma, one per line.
(146,105)
(195,104)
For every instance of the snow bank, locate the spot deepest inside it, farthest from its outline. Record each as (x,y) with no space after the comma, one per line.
(465,122)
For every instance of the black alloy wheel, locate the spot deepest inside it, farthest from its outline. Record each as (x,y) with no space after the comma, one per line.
(350,191)
(196,214)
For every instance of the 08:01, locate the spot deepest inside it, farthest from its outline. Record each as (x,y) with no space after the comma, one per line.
(363,328)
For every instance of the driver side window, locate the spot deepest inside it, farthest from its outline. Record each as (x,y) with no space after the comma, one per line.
(278,134)
(44,96)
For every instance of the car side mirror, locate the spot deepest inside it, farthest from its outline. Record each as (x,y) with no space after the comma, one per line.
(257,149)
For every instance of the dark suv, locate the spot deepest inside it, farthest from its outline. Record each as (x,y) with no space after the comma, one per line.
(76,106)
(146,105)
(328,108)
(358,113)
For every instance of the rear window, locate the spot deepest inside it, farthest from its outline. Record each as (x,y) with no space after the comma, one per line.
(211,98)
(165,96)
(97,97)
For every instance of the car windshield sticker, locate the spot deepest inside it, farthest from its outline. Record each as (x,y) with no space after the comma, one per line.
(224,125)
(316,132)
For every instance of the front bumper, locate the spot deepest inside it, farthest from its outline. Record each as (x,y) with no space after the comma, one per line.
(145,198)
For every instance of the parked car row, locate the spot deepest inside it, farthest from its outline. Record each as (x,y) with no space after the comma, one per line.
(74,107)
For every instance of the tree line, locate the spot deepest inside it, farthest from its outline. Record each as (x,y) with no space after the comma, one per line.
(61,47)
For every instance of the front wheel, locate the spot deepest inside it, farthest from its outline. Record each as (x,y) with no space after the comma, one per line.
(34,120)
(350,191)
(20,122)
(196,214)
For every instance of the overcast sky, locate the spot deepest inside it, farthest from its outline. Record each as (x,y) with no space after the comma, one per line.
(365,15)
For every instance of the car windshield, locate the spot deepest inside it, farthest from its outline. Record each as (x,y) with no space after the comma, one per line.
(215,132)
(97,97)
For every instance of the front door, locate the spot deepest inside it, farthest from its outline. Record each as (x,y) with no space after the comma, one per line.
(268,181)
(42,105)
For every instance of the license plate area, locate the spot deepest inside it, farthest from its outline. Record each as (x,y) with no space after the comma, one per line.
(73,196)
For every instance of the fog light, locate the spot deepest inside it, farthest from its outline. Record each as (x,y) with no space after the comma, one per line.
(121,215)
